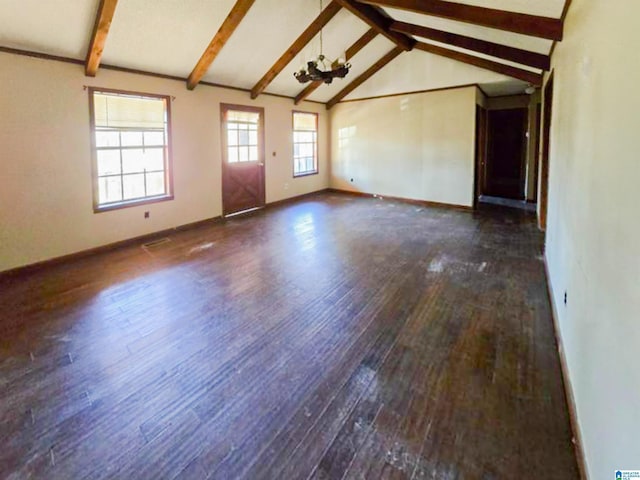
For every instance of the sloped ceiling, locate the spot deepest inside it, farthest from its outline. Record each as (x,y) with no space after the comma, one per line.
(169,36)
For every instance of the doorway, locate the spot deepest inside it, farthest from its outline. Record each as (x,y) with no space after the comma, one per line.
(243,179)
(505,167)
(546,143)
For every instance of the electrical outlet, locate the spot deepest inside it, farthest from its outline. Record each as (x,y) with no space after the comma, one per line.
(146,214)
(286,186)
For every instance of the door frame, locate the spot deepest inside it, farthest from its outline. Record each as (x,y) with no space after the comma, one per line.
(481,153)
(489,142)
(224,107)
(546,150)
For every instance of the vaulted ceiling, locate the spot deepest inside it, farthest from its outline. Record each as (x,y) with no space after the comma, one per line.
(394,46)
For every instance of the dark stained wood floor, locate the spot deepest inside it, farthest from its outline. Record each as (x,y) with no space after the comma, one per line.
(337,337)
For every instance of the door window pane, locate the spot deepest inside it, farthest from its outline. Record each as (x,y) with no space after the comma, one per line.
(242,136)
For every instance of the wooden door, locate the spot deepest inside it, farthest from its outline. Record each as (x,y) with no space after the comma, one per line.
(242,158)
(546,143)
(506,153)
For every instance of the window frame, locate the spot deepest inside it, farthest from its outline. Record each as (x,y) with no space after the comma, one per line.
(316,153)
(168,166)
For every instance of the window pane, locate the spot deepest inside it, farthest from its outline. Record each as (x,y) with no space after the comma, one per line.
(153,159)
(253,137)
(296,150)
(306,149)
(133,186)
(253,154)
(233,155)
(232,137)
(131,139)
(109,190)
(243,137)
(306,136)
(155,183)
(133,161)
(107,139)
(244,154)
(153,138)
(108,162)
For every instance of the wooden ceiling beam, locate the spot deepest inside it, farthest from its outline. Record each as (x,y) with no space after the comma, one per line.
(225,31)
(525,75)
(359,44)
(533,25)
(377,19)
(524,57)
(106,10)
(296,47)
(349,54)
(364,76)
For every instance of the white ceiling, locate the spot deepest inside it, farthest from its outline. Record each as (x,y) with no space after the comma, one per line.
(168,37)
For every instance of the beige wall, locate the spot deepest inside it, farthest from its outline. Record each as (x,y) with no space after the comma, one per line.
(45,160)
(593,233)
(418,146)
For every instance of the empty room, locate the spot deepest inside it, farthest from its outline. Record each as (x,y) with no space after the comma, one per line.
(319,239)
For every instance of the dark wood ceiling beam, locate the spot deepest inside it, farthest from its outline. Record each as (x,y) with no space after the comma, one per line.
(225,31)
(531,77)
(524,57)
(364,76)
(377,19)
(533,25)
(296,47)
(106,10)
(349,54)
(359,44)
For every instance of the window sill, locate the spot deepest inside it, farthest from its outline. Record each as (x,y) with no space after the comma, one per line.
(131,203)
(306,174)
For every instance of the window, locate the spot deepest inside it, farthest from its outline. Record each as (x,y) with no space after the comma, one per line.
(242,135)
(305,143)
(131,148)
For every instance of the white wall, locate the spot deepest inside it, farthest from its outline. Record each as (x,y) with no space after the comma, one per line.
(593,232)
(45,158)
(419,146)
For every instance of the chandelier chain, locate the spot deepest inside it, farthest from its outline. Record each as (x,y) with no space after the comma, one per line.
(321,49)
(316,69)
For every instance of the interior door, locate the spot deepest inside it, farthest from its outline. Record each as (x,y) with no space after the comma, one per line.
(506,153)
(242,158)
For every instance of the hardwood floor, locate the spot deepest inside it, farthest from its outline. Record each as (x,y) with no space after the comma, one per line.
(337,337)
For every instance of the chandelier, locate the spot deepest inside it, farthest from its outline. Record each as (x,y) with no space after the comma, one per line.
(317,69)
